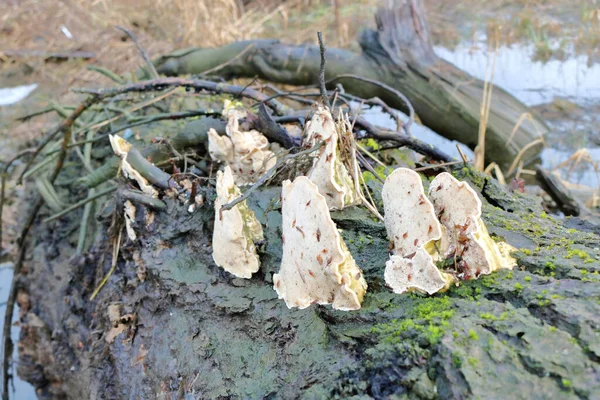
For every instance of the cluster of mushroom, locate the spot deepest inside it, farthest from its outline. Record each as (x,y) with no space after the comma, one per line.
(427,232)
(317,267)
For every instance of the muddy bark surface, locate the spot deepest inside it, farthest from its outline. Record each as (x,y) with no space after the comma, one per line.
(191,330)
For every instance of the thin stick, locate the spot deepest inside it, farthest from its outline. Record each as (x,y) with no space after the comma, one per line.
(137,107)
(62,127)
(488,86)
(397,93)
(198,84)
(462,155)
(153,72)
(368,166)
(268,175)
(322,87)
(437,165)
(371,156)
(87,209)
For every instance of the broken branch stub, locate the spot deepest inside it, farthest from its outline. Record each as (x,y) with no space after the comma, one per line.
(465,236)
(121,148)
(413,227)
(317,267)
(328,171)
(235,230)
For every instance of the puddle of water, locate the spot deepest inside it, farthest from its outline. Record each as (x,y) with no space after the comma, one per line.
(19,389)
(13,95)
(532,82)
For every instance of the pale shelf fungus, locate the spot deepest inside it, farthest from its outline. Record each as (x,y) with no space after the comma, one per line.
(328,171)
(413,228)
(246,152)
(235,231)
(465,236)
(317,267)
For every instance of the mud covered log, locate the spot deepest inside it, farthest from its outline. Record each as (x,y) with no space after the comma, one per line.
(190,330)
(399,54)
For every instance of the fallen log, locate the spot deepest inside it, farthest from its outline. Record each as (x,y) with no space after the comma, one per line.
(190,330)
(398,54)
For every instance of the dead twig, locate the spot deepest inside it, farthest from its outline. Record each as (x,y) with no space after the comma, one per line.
(197,84)
(403,140)
(322,88)
(106,72)
(64,126)
(138,197)
(397,93)
(142,51)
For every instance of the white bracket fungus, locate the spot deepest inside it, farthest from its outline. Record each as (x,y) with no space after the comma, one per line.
(459,210)
(247,153)
(316,267)
(121,148)
(328,171)
(413,227)
(235,230)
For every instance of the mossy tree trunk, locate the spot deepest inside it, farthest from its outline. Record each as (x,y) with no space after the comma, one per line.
(190,330)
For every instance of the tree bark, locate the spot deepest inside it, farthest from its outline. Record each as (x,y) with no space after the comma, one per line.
(399,53)
(191,331)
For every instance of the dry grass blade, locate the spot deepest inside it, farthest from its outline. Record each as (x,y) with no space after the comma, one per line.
(484,109)
(521,153)
(496,168)
(143,52)
(522,118)
(115,256)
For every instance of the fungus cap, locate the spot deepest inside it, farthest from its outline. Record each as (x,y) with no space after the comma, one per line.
(316,267)
(247,153)
(413,227)
(410,218)
(235,230)
(459,210)
(328,171)
(417,273)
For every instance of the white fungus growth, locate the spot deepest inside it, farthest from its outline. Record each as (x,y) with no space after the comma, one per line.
(247,153)
(121,148)
(235,230)
(129,211)
(414,273)
(466,238)
(316,267)
(328,171)
(413,227)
